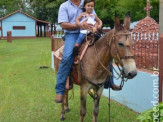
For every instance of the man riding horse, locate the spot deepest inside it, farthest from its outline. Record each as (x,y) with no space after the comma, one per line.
(68,12)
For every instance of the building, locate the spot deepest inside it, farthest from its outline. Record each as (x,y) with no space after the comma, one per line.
(22,25)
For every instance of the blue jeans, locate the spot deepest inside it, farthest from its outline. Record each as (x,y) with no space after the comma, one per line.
(66,62)
(80,38)
(109,80)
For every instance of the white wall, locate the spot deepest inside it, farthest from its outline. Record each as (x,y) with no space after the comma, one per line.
(137,93)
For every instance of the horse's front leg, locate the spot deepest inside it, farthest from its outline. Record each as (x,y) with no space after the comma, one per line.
(83,95)
(66,101)
(62,112)
(64,106)
(96,103)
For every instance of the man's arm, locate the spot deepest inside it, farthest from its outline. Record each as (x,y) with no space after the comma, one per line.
(97,25)
(69,26)
(63,19)
(78,21)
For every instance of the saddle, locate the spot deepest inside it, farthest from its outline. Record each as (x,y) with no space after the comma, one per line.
(73,75)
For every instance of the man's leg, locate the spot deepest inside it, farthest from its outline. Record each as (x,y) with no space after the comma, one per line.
(113,85)
(110,81)
(65,65)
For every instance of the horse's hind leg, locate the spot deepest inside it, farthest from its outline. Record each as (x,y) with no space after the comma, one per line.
(64,106)
(96,104)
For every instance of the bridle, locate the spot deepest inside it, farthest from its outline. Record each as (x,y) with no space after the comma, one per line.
(118,62)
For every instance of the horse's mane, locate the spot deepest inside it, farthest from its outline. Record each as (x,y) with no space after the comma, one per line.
(107,36)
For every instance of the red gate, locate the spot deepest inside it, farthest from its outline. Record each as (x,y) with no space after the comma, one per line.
(146,37)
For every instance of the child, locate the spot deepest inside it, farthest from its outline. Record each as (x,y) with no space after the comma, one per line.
(90,18)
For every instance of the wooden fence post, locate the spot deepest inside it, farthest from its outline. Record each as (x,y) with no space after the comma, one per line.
(52,42)
(9,36)
(160,67)
(52,50)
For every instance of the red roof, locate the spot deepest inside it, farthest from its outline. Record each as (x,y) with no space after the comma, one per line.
(19,11)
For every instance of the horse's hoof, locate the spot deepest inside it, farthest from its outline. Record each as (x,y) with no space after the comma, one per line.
(67,110)
(62,118)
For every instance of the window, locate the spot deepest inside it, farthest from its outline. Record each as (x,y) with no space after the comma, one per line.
(18,27)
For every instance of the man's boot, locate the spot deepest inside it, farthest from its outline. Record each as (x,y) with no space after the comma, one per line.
(59,98)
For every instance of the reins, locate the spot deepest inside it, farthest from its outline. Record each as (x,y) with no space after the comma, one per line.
(110,73)
(117,62)
(120,75)
(82,68)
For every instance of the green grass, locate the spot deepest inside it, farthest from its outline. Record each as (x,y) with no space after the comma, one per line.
(27,92)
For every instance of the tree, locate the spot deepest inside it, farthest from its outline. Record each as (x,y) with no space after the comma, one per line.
(106,14)
(46,9)
(7,6)
(105,9)
(137,9)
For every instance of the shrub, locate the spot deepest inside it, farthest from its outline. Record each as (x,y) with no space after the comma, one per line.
(150,115)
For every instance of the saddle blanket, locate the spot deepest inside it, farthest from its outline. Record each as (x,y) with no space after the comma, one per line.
(73,76)
(59,53)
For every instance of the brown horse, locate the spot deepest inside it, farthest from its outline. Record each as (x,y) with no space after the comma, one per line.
(93,68)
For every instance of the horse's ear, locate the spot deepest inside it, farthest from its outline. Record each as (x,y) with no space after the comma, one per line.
(127,21)
(117,23)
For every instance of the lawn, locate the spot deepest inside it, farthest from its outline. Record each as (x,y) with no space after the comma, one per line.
(27,92)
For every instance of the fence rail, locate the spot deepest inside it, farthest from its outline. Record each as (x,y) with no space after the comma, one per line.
(58,34)
(146,50)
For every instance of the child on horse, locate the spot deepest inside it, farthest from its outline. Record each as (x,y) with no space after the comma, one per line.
(90,18)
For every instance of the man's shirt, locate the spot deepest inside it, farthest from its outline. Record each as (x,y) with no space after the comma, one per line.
(68,12)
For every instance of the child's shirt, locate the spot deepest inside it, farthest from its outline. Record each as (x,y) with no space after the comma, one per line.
(91,20)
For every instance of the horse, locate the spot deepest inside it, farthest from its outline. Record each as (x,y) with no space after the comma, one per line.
(93,68)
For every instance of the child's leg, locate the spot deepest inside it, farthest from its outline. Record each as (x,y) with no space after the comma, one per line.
(80,39)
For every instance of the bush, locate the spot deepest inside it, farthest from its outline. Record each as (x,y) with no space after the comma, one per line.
(151,114)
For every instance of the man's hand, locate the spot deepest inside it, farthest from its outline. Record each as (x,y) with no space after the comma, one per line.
(94,30)
(86,26)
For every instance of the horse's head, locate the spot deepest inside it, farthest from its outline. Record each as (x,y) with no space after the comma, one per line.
(121,47)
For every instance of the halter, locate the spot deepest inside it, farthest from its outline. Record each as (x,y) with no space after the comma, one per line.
(119,61)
